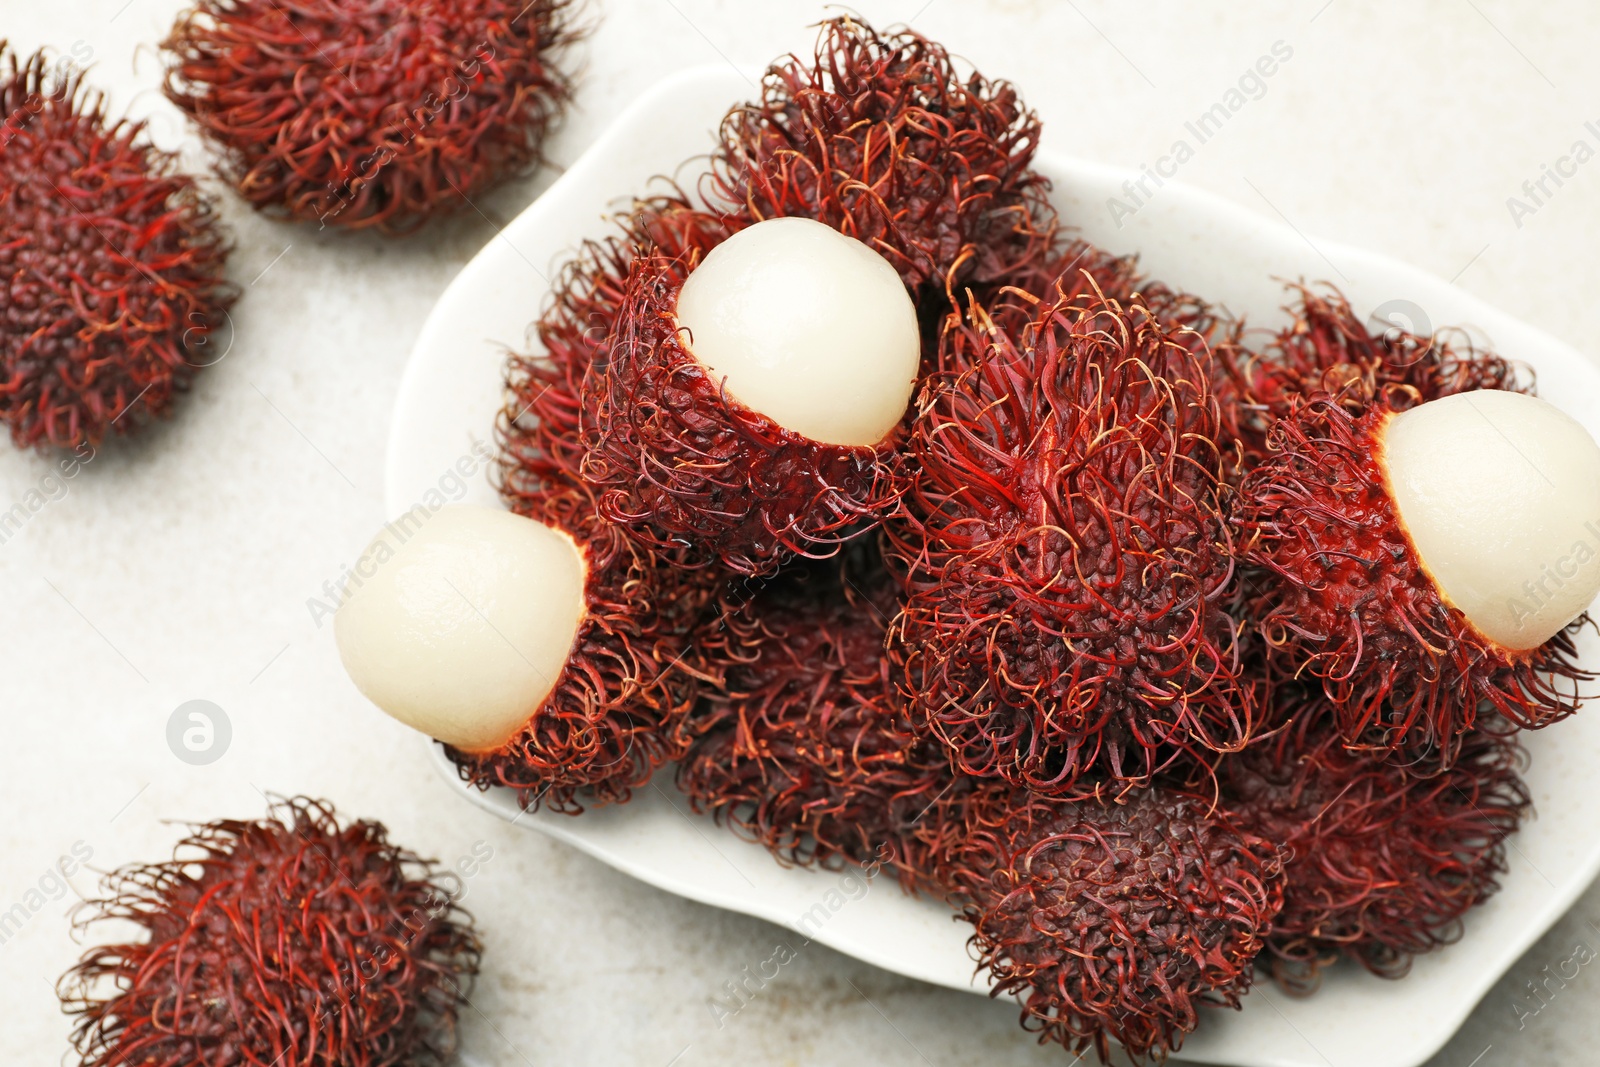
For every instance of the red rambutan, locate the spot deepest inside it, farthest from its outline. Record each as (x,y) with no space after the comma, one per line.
(1065,550)
(111,265)
(288,939)
(1381,859)
(886,139)
(808,751)
(370,113)
(1342,594)
(1113,922)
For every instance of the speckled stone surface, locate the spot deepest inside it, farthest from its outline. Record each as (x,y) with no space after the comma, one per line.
(180,567)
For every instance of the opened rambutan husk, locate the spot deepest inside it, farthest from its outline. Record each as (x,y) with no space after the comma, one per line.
(621,707)
(886,139)
(112,265)
(1327,350)
(1340,595)
(378,114)
(1065,551)
(807,750)
(1382,857)
(289,939)
(1110,922)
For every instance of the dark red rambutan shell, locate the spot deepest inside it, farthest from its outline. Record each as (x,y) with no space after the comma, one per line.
(808,751)
(290,939)
(886,139)
(1111,922)
(680,462)
(1339,594)
(370,113)
(1065,551)
(622,705)
(111,265)
(1382,858)
(1327,350)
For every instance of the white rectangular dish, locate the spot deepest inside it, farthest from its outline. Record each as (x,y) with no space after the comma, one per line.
(452,390)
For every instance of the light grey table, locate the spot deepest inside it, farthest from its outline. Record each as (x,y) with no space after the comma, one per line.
(180,568)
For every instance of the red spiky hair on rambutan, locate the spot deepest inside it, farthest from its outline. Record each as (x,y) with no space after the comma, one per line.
(885,138)
(1327,349)
(621,706)
(289,939)
(1381,858)
(808,751)
(1340,595)
(112,261)
(1065,550)
(375,114)
(1111,922)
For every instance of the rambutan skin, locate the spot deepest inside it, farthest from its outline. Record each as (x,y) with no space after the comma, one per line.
(1328,350)
(111,266)
(807,749)
(290,939)
(1340,595)
(1382,858)
(884,138)
(622,706)
(1065,552)
(679,461)
(371,113)
(1113,922)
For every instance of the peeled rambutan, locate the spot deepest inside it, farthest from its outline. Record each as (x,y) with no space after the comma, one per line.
(1112,922)
(289,939)
(370,113)
(1382,859)
(807,750)
(548,651)
(1425,563)
(1065,550)
(1328,350)
(885,138)
(111,265)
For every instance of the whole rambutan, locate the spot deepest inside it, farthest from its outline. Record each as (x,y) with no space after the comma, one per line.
(808,751)
(1425,564)
(1111,922)
(548,651)
(885,138)
(111,265)
(1328,350)
(1065,550)
(370,113)
(1381,858)
(289,939)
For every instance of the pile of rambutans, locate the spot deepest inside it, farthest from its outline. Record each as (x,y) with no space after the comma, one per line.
(906,525)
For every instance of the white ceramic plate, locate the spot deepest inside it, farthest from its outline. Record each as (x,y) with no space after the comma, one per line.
(452,391)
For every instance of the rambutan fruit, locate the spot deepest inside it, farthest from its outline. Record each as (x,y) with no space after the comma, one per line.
(1111,922)
(808,751)
(111,265)
(289,939)
(548,651)
(1327,349)
(370,113)
(1381,859)
(750,404)
(1065,551)
(1426,564)
(885,138)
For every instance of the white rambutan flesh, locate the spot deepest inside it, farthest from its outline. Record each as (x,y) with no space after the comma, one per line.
(1500,494)
(462,627)
(806,326)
